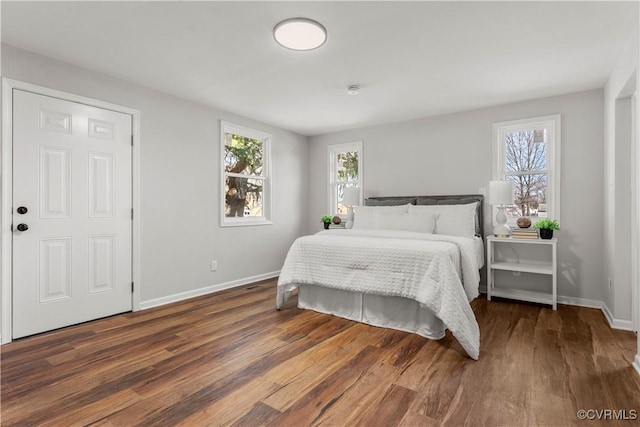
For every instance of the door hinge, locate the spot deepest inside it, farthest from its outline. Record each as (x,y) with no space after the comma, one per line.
(131,213)
(131,287)
(132,140)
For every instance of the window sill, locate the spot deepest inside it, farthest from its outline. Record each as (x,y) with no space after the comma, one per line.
(245,222)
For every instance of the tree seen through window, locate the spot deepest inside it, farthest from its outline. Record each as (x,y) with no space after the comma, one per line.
(526,166)
(244,178)
(347,172)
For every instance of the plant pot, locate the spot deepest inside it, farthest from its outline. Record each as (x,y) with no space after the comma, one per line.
(326,225)
(546,233)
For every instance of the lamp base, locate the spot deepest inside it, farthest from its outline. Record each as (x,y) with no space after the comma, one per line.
(502,230)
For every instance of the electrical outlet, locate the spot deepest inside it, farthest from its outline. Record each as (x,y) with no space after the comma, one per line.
(214,265)
(516,273)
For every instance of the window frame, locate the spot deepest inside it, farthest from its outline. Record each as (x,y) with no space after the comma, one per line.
(333,151)
(551,122)
(265,219)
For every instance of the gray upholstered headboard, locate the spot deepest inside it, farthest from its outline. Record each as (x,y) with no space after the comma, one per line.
(435,200)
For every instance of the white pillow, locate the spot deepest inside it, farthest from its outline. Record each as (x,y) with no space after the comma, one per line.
(454,220)
(364,217)
(418,222)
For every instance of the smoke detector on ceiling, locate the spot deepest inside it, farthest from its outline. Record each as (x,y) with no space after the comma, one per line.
(353,89)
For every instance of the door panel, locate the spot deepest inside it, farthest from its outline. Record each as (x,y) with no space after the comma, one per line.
(101,185)
(55,183)
(55,269)
(72,171)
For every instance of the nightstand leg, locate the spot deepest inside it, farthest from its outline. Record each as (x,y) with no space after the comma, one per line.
(489,270)
(554,277)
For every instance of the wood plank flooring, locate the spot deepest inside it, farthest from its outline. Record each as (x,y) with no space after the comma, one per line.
(231,359)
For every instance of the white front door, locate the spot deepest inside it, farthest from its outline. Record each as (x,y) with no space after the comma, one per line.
(71,213)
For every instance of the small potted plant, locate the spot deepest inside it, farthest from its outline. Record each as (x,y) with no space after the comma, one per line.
(546,227)
(326,220)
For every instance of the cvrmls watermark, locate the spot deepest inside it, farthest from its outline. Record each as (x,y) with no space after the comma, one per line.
(607,414)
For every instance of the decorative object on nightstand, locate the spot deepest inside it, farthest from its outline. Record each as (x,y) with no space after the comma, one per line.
(327,221)
(524,233)
(523,222)
(501,195)
(336,223)
(546,227)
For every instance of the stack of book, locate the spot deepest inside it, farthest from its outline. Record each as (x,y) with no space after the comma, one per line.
(524,233)
(340,226)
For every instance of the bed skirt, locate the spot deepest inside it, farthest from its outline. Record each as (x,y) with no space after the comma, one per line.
(388,312)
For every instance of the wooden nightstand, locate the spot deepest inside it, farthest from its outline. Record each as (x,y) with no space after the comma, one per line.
(546,267)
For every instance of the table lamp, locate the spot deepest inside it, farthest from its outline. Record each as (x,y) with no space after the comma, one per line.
(501,195)
(351,196)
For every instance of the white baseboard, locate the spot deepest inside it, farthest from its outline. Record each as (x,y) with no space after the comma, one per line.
(206,290)
(636,363)
(625,325)
(580,302)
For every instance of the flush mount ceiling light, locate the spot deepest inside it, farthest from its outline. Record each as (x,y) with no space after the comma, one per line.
(300,34)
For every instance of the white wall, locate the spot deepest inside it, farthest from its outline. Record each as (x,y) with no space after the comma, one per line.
(621,267)
(618,182)
(451,154)
(180,182)
(623,81)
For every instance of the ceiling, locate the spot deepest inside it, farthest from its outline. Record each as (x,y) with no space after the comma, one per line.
(411,59)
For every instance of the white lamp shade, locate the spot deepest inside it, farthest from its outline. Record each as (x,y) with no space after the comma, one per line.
(351,196)
(501,192)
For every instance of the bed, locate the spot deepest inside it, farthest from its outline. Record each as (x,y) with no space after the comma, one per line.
(408,263)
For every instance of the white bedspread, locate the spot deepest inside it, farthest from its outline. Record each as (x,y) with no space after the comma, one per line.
(419,266)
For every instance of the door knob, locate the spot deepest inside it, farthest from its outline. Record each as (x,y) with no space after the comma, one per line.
(22,210)
(22,227)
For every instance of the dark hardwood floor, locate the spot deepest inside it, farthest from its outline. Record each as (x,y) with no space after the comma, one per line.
(231,359)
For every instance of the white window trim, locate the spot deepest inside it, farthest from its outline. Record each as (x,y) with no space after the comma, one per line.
(226,127)
(333,151)
(553,122)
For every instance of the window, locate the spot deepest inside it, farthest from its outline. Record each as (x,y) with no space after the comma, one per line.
(246,191)
(527,152)
(345,170)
